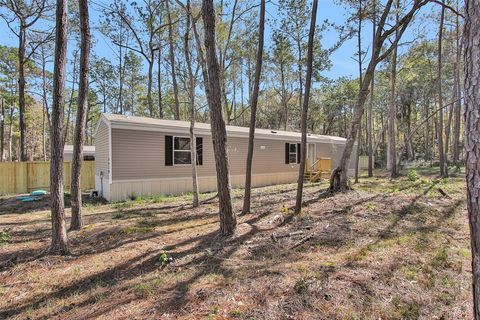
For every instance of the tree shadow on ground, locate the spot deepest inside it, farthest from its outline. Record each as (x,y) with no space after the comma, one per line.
(206,253)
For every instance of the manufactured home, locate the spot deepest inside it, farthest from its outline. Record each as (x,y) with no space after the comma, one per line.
(137,156)
(88,153)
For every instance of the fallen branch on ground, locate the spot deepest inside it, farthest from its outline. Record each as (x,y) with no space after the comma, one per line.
(302,241)
(443,193)
(290,234)
(209,199)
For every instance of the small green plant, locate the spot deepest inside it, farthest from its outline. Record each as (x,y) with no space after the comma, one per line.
(209,253)
(412,175)
(118,215)
(165,258)
(5,235)
(215,309)
(300,286)
(3,289)
(285,210)
(371,206)
(235,313)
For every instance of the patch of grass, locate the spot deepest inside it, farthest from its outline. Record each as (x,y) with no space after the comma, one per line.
(3,289)
(411,272)
(213,313)
(100,295)
(370,206)
(446,297)
(329,264)
(118,215)
(300,286)
(408,310)
(144,290)
(77,270)
(5,236)
(440,259)
(135,229)
(235,313)
(465,253)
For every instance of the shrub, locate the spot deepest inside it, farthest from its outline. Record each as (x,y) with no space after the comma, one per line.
(412,175)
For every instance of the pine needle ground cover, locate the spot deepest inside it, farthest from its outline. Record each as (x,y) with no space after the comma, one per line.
(389,249)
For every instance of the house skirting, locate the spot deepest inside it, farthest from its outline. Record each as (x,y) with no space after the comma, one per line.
(120,190)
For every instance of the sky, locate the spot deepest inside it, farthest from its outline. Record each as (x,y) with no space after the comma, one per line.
(342,60)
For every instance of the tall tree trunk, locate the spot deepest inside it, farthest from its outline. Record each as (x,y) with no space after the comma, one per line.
(191,93)
(392,110)
(44,138)
(2,129)
(253,110)
(360,75)
(201,60)
(300,73)
(448,127)
(150,85)
(427,131)
(372,97)
(120,75)
(45,112)
(159,78)
(458,94)
(441,148)
(10,133)
(76,222)
(72,92)
(59,243)
(21,90)
(472,134)
(308,82)
(228,220)
(284,96)
(172,61)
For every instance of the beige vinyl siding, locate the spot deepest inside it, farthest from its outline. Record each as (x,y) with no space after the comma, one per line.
(269,159)
(102,149)
(138,154)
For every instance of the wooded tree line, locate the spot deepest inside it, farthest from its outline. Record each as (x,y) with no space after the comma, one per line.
(147,74)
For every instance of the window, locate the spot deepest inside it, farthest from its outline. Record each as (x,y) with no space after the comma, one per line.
(177,151)
(181,151)
(292,153)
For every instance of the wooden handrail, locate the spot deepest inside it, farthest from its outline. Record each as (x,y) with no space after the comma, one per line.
(313,165)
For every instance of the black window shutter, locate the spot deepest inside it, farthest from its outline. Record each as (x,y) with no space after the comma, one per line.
(298,152)
(287,153)
(199,143)
(168,150)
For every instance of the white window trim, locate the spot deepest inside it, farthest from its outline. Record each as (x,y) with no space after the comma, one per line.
(290,152)
(173,152)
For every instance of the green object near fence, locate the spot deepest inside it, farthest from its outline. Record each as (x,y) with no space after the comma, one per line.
(38,193)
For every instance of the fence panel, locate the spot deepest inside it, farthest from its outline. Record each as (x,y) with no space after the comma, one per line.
(24,177)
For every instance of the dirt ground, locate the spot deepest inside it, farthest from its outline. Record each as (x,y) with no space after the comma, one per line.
(386,250)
